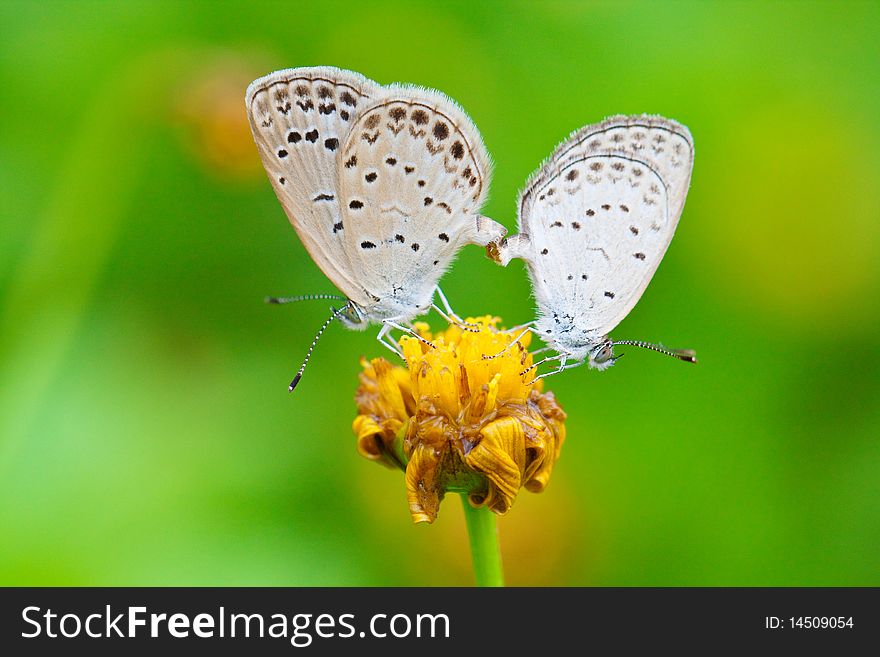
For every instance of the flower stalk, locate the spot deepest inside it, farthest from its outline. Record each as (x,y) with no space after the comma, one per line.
(485,549)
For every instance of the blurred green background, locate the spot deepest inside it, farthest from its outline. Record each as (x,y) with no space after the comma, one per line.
(146,434)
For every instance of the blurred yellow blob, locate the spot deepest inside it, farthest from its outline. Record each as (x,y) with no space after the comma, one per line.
(210,106)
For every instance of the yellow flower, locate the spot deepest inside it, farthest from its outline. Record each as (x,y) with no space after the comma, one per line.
(456,421)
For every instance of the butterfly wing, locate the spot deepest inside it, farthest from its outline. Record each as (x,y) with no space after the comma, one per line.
(413,175)
(596,219)
(299,118)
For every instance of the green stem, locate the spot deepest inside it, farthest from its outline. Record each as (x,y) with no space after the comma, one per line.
(485,550)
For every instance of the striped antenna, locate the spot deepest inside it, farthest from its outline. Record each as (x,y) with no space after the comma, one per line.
(305,297)
(336,313)
(687,355)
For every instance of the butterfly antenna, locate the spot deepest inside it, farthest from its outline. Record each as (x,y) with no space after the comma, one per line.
(336,313)
(305,297)
(687,355)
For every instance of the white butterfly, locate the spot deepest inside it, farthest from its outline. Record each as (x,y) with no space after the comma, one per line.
(594,222)
(383,185)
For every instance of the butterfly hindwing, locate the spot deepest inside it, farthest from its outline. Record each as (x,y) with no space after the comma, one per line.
(299,119)
(595,244)
(413,175)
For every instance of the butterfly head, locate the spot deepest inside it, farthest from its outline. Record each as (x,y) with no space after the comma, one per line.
(602,355)
(353,316)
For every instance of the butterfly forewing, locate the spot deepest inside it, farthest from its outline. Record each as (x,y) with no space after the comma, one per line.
(599,216)
(300,118)
(413,174)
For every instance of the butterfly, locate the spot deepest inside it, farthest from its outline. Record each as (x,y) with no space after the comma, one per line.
(594,223)
(383,185)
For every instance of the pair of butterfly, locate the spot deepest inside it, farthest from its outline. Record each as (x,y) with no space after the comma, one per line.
(384,184)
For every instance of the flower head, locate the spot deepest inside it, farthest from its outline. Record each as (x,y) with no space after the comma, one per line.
(456,421)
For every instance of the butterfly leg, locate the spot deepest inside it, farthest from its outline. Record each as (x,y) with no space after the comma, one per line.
(385,340)
(519,327)
(410,332)
(562,366)
(507,348)
(452,319)
(449,315)
(561,357)
(443,300)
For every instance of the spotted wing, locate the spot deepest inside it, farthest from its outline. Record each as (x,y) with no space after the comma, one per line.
(299,118)
(414,174)
(597,218)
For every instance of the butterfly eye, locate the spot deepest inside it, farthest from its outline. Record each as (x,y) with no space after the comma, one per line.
(604,352)
(350,315)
